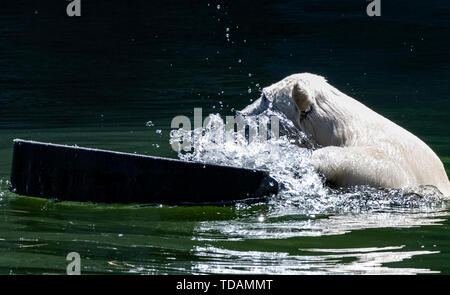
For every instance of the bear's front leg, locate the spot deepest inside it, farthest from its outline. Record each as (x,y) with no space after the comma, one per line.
(349,166)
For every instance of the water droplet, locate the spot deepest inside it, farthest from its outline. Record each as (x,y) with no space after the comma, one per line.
(149,124)
(218,6)
(159,131)
(249,90)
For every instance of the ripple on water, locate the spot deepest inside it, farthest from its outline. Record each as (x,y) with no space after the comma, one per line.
(249,228)
(307,261)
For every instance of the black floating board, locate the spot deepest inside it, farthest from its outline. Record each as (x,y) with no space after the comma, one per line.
(71,173)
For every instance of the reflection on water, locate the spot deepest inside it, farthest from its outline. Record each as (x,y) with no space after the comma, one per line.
(343,261)
(368,260)
(252,228)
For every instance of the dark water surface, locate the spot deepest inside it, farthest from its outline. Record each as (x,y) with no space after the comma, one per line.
(96,80)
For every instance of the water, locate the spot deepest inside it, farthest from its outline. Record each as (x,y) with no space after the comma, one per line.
(98,80)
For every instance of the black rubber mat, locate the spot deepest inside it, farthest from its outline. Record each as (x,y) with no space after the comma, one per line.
(70,173)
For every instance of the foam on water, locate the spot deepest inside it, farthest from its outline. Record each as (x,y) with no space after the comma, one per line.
(287,158)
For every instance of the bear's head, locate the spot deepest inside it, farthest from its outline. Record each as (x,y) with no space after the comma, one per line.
(308,101)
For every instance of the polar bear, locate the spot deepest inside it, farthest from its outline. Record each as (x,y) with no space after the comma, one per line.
(357,145)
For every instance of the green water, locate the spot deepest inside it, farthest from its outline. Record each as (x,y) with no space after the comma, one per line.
(97,80)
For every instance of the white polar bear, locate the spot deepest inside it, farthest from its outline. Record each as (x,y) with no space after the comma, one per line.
(358,146)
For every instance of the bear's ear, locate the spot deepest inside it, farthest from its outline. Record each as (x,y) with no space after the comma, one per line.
(301,98)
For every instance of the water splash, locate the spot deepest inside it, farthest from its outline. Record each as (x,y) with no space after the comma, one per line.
(288,160)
